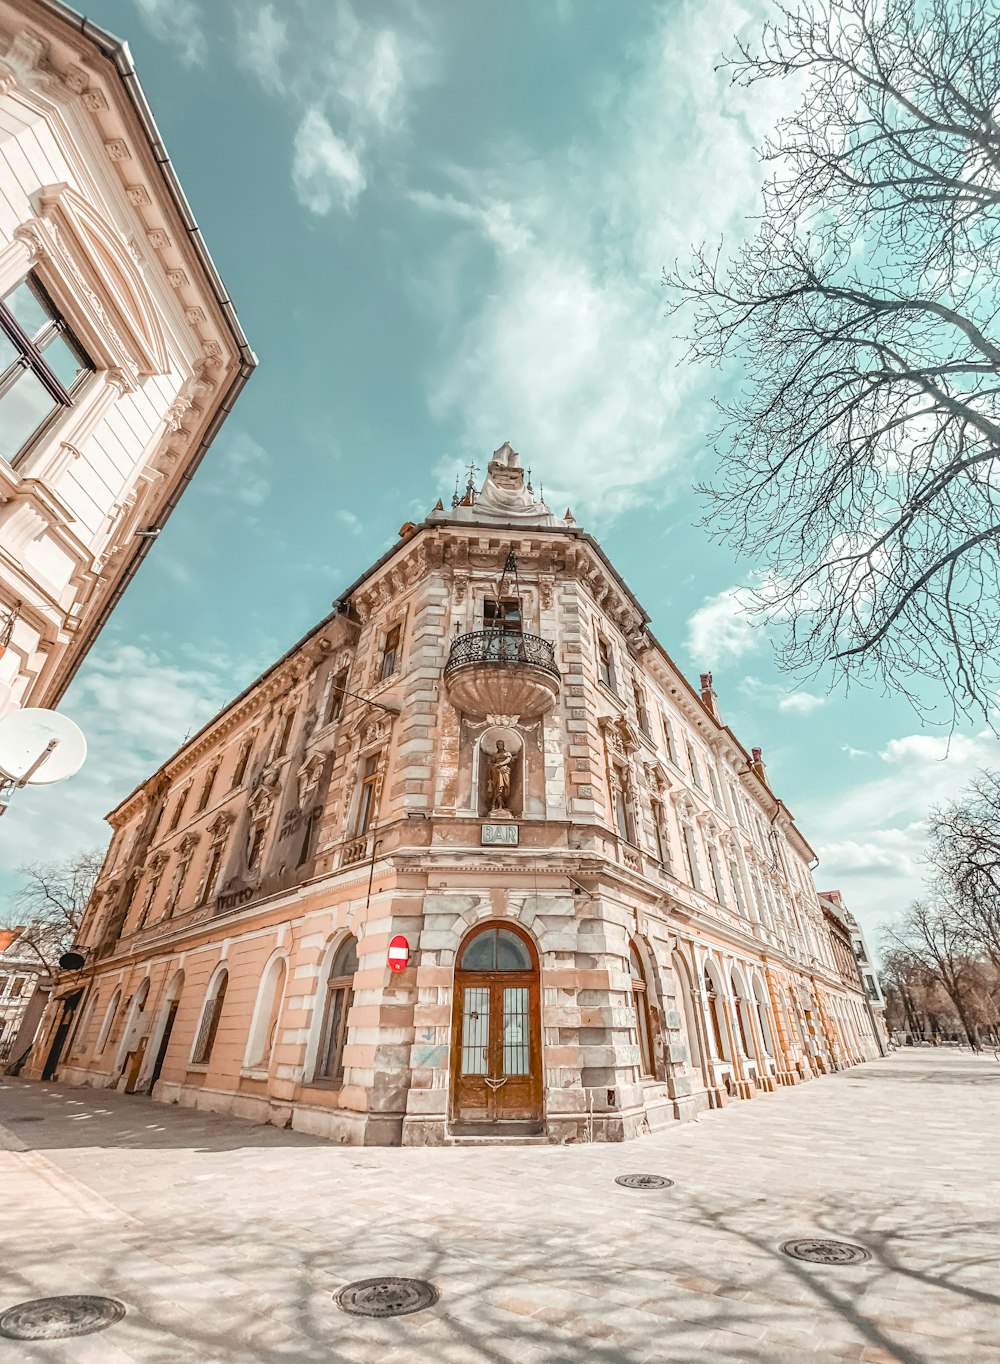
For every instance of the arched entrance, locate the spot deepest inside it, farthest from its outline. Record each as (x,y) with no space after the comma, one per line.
(496,1042)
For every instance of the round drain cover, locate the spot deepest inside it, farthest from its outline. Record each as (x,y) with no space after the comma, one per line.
(54,1318)
(826,1252)
(386,1297)
(644,1181)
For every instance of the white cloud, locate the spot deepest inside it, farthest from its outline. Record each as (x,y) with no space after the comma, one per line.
(721,628)
(569,353)
(177,23)
(871,838)
(774,695)
(240,469)
(261,43)
(801,702)
(348,519)
(325,171)
(350,85)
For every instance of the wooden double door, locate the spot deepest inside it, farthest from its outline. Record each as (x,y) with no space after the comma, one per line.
(496,1035)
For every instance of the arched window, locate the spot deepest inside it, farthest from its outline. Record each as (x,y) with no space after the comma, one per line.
(740,1006)
(264,1027)
(339,996)
(109,1019)
(762,1017)
(496,949)
(210,1017)
(715,1036)
(640,1002)
(80,1041)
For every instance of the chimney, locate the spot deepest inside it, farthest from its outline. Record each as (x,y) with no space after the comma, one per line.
(708,696)
(757,766)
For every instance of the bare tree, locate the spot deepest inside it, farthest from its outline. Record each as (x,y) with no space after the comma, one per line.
(49,907)
(934,939)
(965,851)
(859,455)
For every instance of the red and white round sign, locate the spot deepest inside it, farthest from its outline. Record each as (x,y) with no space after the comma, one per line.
(399,953)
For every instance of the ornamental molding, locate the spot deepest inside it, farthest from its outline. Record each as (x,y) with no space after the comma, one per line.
(94,263)
(619,735)
(221,824)
(189,842)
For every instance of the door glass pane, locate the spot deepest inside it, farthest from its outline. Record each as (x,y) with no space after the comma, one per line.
(330,1050)
(63,361)
(515,1030)
(28,309)
(475,1030)
(22,411)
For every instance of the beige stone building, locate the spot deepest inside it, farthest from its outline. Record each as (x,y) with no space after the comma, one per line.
(120,352)
(609,917)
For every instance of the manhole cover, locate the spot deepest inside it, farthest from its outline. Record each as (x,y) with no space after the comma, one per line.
(826,1252)
(54,1318)
(386,1297)
(644,1181)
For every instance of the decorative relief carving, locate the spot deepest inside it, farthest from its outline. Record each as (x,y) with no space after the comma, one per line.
(138,196)
(93,100)
(76,80)
(375,731)
(505,721)
(158,239)
(177,279)
(194,316)
(117,149)
(27,51)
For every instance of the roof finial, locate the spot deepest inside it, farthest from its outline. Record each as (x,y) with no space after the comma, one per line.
(530,488)
(455,499)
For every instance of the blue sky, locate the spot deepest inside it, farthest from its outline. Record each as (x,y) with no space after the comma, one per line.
(444,226)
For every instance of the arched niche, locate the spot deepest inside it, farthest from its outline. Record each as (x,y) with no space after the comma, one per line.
(489,745)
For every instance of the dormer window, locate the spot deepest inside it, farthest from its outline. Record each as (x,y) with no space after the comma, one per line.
(41,365)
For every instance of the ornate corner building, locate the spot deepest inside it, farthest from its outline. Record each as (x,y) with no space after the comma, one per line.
(608,917)
(120,351)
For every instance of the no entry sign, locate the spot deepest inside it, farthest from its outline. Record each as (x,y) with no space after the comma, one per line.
(399,953)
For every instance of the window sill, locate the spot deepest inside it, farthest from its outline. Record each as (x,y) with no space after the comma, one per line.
(198,1068)
(327,1086)
(253,1073)
(610,692)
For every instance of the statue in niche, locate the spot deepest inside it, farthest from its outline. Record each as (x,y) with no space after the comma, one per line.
(498,781)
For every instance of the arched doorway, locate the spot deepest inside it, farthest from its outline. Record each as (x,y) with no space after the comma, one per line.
(166,1026)
(640,1003)
(496,1042)
(68,1007)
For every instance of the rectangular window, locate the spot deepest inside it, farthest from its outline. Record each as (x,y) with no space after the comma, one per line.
(605,664)
(693,764)
(714,783)
(309,835)
(242,761)
(41,365)
(175,818)
(660,830)
(737,880)
(641,710)
(212,871)
(180,876)
(335,700)
(154,886)
(669,739)
(366,801)
(390,653)
(17,985)
(620,803)
(206,790)
(691,855)
(258,833)
(285,733)
(502,615)
(715,867)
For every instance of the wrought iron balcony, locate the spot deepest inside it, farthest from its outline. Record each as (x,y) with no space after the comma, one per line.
(502,672)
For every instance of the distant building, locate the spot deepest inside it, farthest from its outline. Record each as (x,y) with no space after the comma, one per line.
(24,988)
(845,930)
(607,915)
(120,352)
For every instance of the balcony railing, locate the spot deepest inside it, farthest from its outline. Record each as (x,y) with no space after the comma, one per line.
(503,648)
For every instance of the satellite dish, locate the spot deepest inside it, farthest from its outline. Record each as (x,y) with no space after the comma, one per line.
(38,747)
(71,961)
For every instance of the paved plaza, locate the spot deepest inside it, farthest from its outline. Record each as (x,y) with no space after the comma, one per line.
(227,1241)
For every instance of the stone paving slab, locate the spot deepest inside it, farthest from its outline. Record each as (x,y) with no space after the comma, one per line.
(227,1240)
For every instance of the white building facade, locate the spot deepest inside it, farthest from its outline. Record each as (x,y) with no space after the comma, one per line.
(120,352)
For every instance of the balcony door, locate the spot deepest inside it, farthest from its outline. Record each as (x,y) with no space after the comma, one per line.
(496,1072)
